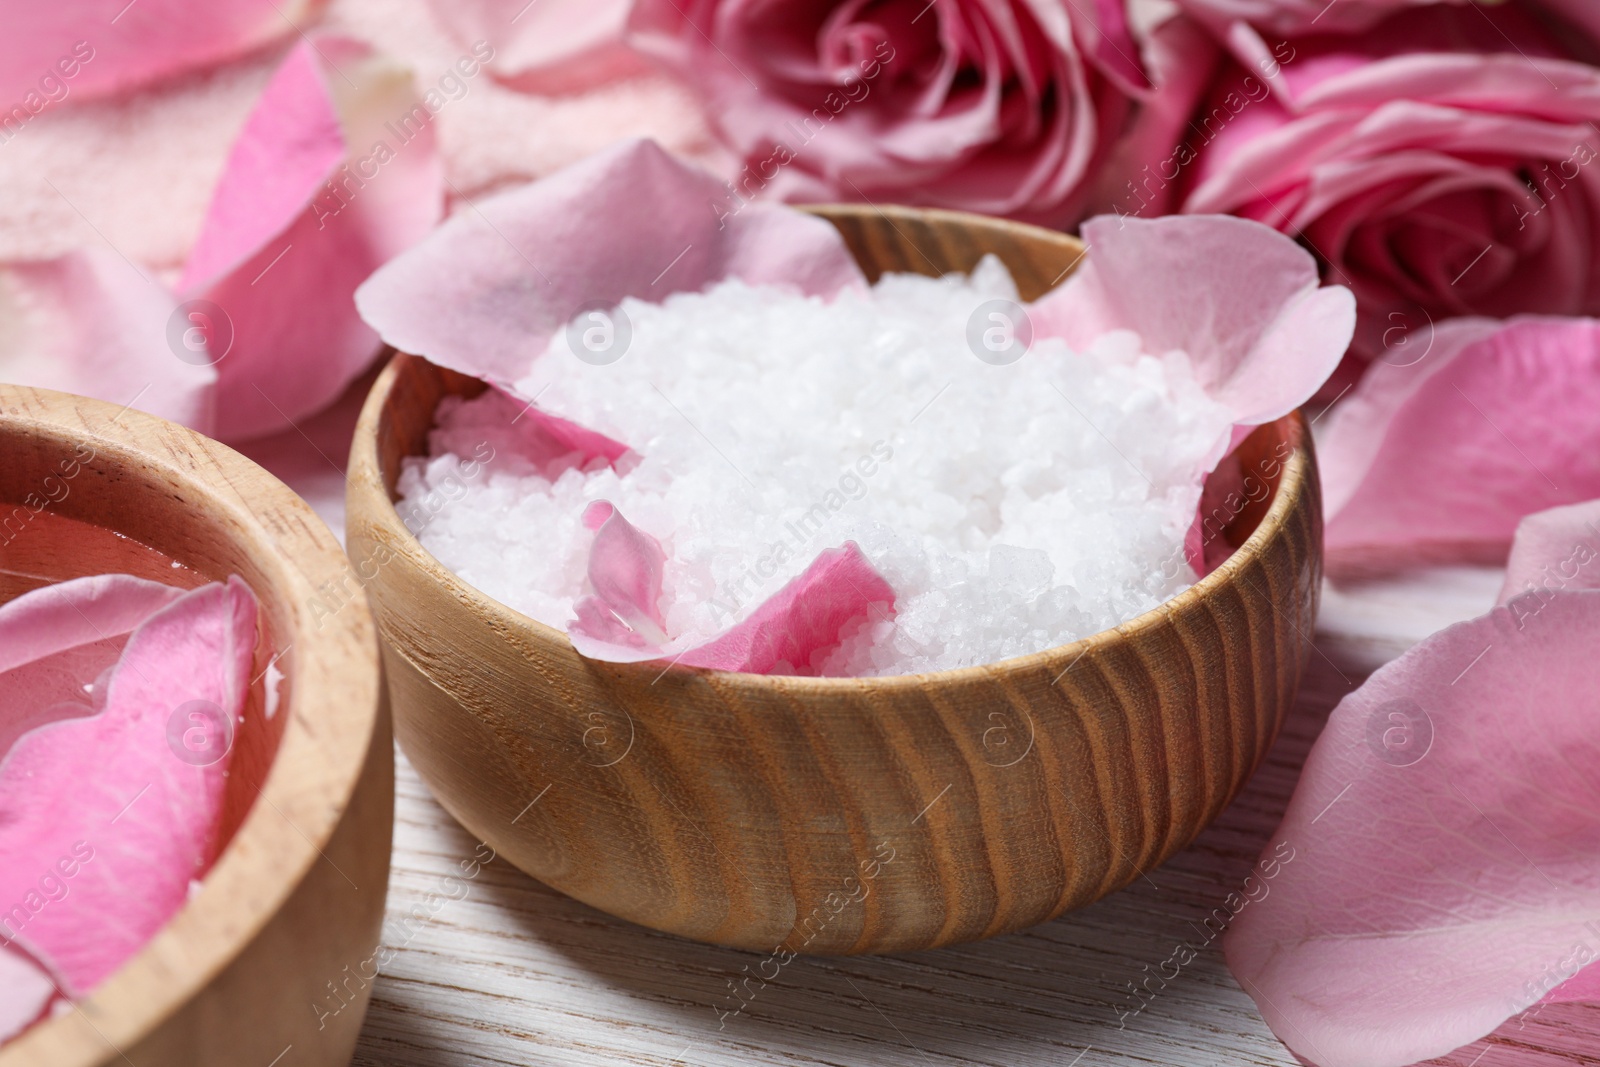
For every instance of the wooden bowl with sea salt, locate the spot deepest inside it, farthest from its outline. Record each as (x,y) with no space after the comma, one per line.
(845,815)
(270,960)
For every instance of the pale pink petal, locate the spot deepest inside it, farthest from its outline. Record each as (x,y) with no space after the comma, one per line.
(1353,434)
(625,567)
(789,631)
(551,46)
(1240,298)
(58,640)
(486,292)
(334,173)
(28,992)
(1502,427)
(94,47)
(808,616)
(120,808)
(1438,869)
(1554,551)
(92,323)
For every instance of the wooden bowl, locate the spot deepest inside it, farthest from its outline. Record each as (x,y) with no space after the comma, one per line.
(246,972)
(843,815)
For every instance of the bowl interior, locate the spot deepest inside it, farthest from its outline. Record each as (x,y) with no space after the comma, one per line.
(55,548)
(883,240)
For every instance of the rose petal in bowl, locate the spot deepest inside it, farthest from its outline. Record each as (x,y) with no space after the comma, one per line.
(119,806)
(487,291)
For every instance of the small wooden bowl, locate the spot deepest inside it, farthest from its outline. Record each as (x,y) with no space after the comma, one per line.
(246,972)
(843,815)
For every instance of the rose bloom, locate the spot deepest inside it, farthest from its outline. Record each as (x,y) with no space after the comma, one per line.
(1346,16)
(1440,164)
(1009,107)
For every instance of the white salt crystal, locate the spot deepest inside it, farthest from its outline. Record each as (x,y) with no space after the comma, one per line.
(1012,508)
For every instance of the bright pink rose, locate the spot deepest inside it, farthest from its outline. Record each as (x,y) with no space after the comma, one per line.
(1439,165)
(1010,107)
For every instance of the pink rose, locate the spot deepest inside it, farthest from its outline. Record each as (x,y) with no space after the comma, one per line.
(1009,107)
(1347,16)
(1439,165)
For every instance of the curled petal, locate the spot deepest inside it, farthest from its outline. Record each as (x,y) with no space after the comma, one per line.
(1443,847)
(807,616)
(1241,299)
(810,615)
(625,566)
(122,805)
(334,173)
(487,291)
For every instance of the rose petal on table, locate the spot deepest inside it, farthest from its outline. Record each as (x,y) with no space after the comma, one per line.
(1499,427)
(553,46)
(1445,837)
(56,52)
(334,172)
(57,641)
(92,323)
(1240,298)
(487,292)
(111,805)
(1553,551)
(28,992)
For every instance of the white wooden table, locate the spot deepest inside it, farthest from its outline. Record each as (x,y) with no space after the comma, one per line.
(511,972)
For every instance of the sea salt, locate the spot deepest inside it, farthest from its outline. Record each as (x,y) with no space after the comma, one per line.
(1012,507)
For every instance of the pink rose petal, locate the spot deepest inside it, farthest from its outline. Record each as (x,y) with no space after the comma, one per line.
(28,992)
(1554,551)
(111,806)
(56,640)
(1241,299)
(326,182)
(487,291)
(95,47)
(807,616)
(1437,461)
(622,621)
(552,46)
(1446,847)
(625,566)
(92,323)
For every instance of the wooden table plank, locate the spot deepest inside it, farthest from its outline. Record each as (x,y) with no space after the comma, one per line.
(514,973)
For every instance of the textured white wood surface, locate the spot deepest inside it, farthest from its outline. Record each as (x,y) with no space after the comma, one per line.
(510,972)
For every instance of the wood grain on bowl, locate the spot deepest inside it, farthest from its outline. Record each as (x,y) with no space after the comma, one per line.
(843,815)
(257,967)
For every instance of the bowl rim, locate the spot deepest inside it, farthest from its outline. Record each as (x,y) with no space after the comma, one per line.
(333,711)
(365,486)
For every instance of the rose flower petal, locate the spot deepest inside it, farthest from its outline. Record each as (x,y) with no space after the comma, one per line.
(1437,460)
(117,804)
(90,322)
(1446,831)
(334,173)
(96,47)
